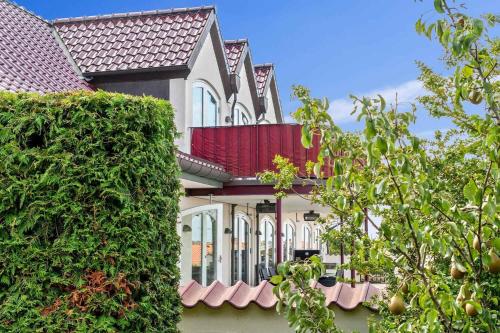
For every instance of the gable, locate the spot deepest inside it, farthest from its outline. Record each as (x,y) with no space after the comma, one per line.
(137,41)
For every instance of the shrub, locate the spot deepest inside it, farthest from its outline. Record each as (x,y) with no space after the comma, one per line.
(89,196)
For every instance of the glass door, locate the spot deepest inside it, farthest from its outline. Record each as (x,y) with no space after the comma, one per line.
(266,244)
(289,242)
(241,249)
(199,247)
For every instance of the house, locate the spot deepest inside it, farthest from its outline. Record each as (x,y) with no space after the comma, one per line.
(228,112)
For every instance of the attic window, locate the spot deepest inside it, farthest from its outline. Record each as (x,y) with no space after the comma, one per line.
(241,115)
(205,106)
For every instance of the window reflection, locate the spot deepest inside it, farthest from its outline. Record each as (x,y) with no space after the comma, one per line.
(307,237)
(289,242)
(199,237)
(205,106)
(241,249)
(266,244)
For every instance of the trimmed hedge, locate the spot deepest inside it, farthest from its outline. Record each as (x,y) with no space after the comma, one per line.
(89,195)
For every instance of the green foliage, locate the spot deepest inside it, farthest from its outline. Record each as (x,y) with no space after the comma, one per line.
(88,204)
(303,306)
(439,199)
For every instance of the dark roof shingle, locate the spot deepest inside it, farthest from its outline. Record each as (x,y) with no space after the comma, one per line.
(262,74)
(30,57)
(234,50)
(133,41)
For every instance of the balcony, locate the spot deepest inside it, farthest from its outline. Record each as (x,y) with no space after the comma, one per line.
(247,150)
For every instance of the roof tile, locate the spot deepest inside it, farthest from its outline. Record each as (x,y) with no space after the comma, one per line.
(234,50)
(240,295)
(31,58)
(262,74)
(168,29)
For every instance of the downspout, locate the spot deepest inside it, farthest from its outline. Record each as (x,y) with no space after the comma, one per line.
(235,87)
(257,266)
(235,100)
(233,206)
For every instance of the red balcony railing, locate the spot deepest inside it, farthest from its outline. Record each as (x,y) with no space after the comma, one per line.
(247,150)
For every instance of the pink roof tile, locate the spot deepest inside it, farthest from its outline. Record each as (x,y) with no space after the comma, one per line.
(241,295)
(171,34)
(30,57)
(262,74)
(234,50)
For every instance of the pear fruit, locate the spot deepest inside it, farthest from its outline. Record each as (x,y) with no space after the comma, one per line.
(404,288)
(494,266)
(475,97)
(456,273)
(476,243)
(470,310)
(397,306)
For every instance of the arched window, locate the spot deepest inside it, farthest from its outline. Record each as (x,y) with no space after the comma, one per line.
(200,246)
(267,247)
(241,115)
(288,242)
(205,106)
(307,237)
(317,238)
(241,248)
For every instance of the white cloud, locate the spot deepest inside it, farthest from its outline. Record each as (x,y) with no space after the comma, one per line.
(341,109)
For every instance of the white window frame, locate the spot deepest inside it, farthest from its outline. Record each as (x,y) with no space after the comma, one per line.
(220,225)
(241,215)
(309,229)
(241,109)
(286,253)
(317,237)
(263,236)
(206,88)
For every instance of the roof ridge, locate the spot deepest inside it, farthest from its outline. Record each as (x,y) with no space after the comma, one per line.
(132,14)
(27,11)
(266,64)
(236,41)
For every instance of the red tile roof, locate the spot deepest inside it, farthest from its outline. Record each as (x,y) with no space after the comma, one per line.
(30,57)
(262,75)
(241,295)
(234,50)
(132,41)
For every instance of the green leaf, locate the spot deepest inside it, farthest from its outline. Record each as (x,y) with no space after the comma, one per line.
(276,279)
(470,190)
(438,5)
(370,129)
(381,144)
(467,71)
(306,137)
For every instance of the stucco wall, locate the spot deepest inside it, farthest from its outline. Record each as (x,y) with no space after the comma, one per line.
(253,319)
(271,112)
(205,69)
(244,96)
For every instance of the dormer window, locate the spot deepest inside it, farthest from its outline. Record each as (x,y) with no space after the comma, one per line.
(205,106)
(241,115)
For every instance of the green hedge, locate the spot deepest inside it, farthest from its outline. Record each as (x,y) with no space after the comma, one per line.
(89,196)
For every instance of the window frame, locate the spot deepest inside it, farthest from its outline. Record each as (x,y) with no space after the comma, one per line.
(263,238)
(237,272)
(287,252)
(241,109)
(207,90)
(308,242)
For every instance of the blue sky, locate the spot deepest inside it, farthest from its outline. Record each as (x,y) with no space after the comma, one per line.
(333,47)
